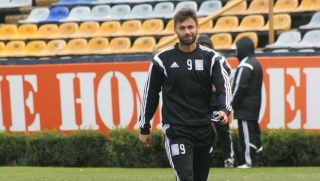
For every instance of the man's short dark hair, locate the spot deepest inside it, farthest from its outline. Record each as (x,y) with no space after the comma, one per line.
(184,14)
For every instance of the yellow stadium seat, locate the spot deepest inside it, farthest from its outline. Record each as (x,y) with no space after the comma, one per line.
(309,5)
(129,28)
(66,30)
(225,24)
(250,23)
(54,47)
(74,47)
(97,45)
(87,29)
(46,31)
(238,9)
(2,46)
(206,26)
(25,31)
(252,35)
(169,29)
(34,48)
(143,44)
(119,45)
(7,30)
(280,22)
(13,49)
(165,38)
(257,7)
(108,28)
(282,6)
(150,27)
(221,41)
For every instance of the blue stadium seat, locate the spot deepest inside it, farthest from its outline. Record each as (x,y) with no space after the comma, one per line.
(66,2)
(56,14)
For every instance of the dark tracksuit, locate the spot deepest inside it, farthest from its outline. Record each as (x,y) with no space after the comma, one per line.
(185,79)
(246,101)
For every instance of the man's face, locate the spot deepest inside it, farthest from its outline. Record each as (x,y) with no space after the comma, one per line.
(187,31)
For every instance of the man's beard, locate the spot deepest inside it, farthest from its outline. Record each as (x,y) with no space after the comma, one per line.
(184,42)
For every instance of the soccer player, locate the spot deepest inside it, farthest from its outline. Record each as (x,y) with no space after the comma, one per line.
(184,73)
(223,130)
(246,102)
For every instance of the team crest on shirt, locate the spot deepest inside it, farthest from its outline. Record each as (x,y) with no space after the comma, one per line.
(199,64)
(175,149)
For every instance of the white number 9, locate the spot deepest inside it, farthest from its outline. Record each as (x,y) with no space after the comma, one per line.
(189,63)
(182,149)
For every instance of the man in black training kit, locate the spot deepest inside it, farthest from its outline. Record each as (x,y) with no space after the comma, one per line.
(185,73)
(223,130)
(246,102)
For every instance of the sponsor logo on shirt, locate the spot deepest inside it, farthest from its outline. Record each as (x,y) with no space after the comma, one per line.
(174,65)
(175,149)
(199,64)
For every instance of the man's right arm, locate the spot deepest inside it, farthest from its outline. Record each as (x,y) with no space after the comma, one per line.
(150,98)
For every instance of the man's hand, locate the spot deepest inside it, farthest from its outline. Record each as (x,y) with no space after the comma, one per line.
(223,117)
(146,139)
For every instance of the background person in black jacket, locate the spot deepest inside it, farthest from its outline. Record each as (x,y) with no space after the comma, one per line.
(223,130)
(246,102)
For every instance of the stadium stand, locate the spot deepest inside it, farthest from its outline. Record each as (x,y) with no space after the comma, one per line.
(24,32)
(75,46)
(208,7)
(150,27)
(239,9)
(117,12)
(98,13)
(252,35)
(87,30)
(108,28)
(66,30)
(250,23)
(15,3)
(221,41)
(97,46)
(308,5)
(144,44)
(56,14)
(225,24)
(118,45)
(183,4)
(7,30)
(128,28)
(286,39)
(309,40)
(36,15)
(169,29)
(161,10)
(139,11)
(53,48)
(257,7)
(284,6)
(280,22)
(34,48)
(314,22)
(77,14)
(205,26)
(13,49)
(46,31)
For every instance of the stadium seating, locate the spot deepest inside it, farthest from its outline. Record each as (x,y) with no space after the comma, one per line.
(257,7)
(46,31)
(309,40)
(221,41)
(169,29)
(280,51)
(208,7)
(280,22)
(250,23)
(77,14)
(119,45)
(165,38)
(144,44)
(13,49)
(314,22)
(139,11)
(53,48)
(129,28)
(56,14)
(97,46)
(108,28)
(308,5)
(183,4)
(161,10)
(34,48)
(15,3)
(150,27)
(75,46)
(117,12)
(284,6)
(225,24)
(66,30)
(238,9)
(36,15)
(98,13)
(306,50)
(7,30)
(286,39)
(252,35)
(24,32)
(87,29)
(206,26)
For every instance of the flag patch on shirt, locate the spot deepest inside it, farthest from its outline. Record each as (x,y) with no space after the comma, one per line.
(199,64)
(174,65)
(175,149)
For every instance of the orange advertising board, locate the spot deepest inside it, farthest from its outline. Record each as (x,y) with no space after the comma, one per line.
(103,96)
